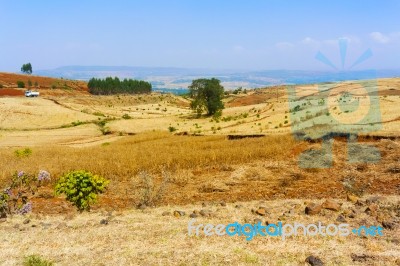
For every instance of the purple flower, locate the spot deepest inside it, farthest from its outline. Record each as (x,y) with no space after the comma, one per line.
(20,173)
(8,191)
(26,208)
(44,176)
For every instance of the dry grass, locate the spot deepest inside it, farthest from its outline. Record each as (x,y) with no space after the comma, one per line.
(123,159)
(147,238)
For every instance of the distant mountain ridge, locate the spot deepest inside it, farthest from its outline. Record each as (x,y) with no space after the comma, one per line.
(170,78)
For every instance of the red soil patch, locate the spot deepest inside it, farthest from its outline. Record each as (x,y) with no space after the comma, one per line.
(9,80)
(11,92)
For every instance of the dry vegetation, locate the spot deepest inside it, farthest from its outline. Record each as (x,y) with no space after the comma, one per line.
(127,140)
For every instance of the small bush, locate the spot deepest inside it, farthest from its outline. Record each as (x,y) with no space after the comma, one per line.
(126,116)
(150,195)
(36,260)
(98,114)
(20,84)
(171,129)
(1,86)
(15,198)
(23,153)
(81,188)
(76,123)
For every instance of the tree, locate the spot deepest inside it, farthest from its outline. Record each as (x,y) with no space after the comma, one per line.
(207,96)
(115,85)
(20,84)
(26,68)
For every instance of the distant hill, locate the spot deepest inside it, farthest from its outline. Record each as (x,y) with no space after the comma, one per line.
(170,78)
(46,85)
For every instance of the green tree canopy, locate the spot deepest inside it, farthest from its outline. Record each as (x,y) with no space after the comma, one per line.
(26,68)
(111,85)
(207,96)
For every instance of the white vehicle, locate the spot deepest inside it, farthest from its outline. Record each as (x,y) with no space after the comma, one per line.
(31,94)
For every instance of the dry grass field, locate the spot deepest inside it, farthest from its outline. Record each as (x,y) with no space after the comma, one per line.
(199,168)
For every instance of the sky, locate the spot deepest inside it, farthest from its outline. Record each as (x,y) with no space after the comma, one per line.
(223,34)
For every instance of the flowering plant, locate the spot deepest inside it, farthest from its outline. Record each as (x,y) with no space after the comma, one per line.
(14,199)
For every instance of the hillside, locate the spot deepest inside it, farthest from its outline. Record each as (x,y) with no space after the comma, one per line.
(167,166)
(45,85)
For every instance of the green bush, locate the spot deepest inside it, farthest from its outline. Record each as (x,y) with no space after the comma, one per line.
(36,260)
(81,188)
(171,129)
(20,84)
(23,153)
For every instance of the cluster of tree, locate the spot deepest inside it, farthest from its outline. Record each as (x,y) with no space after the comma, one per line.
(239,91)
(207,96)
(26,68)
(115,86)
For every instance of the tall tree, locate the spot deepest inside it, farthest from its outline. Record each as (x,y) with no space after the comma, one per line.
(26,68)
(207,96)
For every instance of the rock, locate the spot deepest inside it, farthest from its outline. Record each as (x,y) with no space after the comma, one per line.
(352,198)
(331,205)
(62,225)
(360,203)
(313,209)
(104,221)
(261,211)
(179,213)
(223,203)
(206,213)
(142,206)
(372,209)
(193,215)
(388,225)
(166,213)
(374,199)
(341,219)
(360,258)
(257,221)
(204,204)
(26,221)
(2,220)
(45,225)
(314,261)
(238,206)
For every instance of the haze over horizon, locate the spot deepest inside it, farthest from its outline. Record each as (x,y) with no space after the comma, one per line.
(238,35)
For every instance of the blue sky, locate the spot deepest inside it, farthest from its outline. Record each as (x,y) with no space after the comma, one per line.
(223,34)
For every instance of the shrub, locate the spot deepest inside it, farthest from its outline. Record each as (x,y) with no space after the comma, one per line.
(150,195)
(98,114)
(81,188)
(20,84)
(36,260)
(1,86)
(23,153)
(171,129)
(126,116)
(15,198)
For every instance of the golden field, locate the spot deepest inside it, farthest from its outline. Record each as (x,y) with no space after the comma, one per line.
(121,136)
